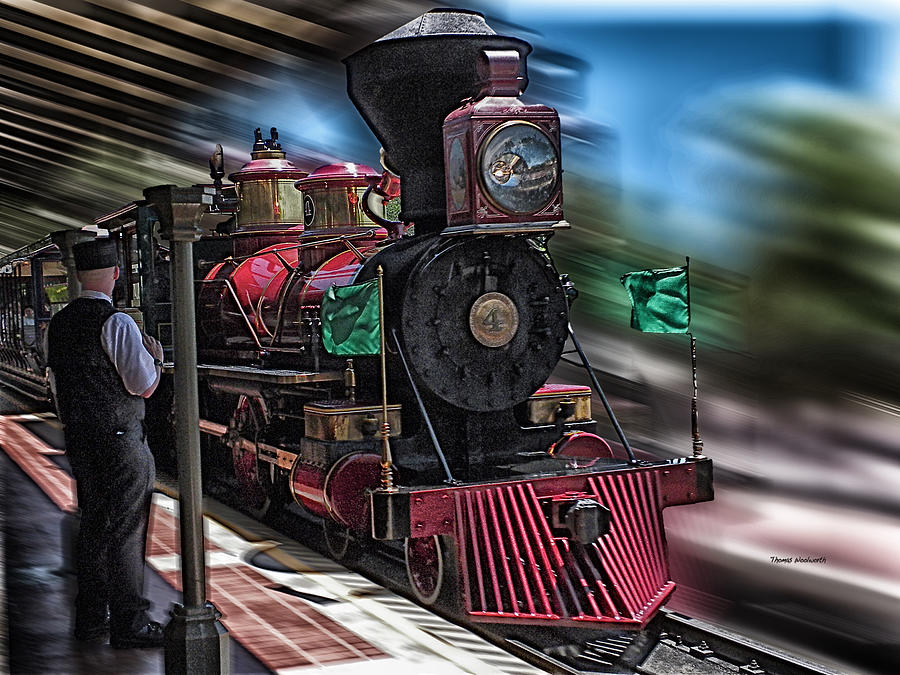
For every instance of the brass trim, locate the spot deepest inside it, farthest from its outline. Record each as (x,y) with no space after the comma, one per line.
(271,376)
(496,331)
(505,228)
(312,408)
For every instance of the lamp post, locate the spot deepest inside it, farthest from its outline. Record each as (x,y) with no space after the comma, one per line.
(195,641)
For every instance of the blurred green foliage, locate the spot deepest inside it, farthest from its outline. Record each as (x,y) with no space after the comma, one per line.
(812,178)
(598,250)
(807,182)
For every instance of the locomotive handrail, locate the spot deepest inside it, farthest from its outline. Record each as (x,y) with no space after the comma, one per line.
(437,446)
(284,263)
(249,325)
(282,300)
(240,307)
(259,304)
(319,242)
(355,251)
(609,410)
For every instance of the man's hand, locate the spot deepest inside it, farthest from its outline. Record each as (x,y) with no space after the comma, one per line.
(153,346)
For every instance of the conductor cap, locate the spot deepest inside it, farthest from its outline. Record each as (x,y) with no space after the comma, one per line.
(95,254)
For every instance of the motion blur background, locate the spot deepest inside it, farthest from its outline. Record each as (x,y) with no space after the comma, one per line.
(760,139)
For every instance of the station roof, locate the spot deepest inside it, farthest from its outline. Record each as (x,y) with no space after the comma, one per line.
(102,98)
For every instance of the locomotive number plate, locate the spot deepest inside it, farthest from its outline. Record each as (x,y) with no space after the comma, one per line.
(493,319)
(309,210)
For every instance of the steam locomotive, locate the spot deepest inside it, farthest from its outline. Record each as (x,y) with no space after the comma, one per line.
(508,505)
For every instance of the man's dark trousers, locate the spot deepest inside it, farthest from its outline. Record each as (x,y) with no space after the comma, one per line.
(114,471)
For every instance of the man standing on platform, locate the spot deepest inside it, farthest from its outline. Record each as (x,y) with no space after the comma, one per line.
(102,369)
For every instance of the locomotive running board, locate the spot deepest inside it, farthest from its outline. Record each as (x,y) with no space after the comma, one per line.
(251,381)
(269,375)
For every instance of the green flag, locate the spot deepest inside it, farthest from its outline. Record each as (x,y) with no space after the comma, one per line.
(350,324)
(659,300)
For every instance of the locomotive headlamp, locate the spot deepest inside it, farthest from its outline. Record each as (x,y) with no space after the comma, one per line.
(501,156)
(519,168)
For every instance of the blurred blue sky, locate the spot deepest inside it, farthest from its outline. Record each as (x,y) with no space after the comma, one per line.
(645,65)
(625,76)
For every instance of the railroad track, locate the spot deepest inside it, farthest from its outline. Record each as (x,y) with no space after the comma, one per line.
(672,644)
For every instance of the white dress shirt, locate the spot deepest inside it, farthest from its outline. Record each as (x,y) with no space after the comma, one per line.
(122,341)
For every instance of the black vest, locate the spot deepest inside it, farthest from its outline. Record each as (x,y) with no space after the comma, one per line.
(89,391)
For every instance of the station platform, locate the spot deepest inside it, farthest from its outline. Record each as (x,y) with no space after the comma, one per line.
(287,609)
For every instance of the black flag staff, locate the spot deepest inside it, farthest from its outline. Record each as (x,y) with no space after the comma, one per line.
(696,441)
(609,411)
(661,303)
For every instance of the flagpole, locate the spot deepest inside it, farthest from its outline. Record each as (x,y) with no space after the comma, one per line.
(695,421)
(387,477)
(697,442)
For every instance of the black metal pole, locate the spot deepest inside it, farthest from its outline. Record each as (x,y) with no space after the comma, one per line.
(696,441)
(195,641)
(599,390)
